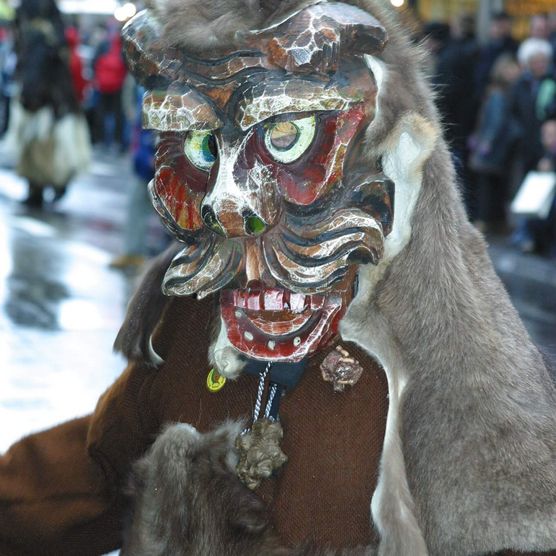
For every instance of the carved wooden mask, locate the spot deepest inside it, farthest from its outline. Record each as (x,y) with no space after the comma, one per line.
(257,174)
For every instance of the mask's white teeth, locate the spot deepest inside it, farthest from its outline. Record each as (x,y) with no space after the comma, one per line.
(254,302)
(277,300)
(297,301)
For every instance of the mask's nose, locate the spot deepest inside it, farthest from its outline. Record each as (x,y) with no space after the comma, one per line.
(233,222)
(242,202)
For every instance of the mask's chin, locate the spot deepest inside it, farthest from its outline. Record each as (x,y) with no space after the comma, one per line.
(275,324)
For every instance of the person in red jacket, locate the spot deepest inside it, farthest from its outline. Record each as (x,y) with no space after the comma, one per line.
(76,64)
(110,74)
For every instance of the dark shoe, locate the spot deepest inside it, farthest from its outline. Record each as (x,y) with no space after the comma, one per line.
(59,192)
(34,197)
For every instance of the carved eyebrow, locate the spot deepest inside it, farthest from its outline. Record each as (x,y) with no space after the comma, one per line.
(267,99)
(178,108)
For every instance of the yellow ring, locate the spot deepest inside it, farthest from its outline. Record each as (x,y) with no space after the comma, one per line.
(215,381)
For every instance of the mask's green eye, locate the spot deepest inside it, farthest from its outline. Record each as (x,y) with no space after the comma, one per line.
(200,147)
(286,141)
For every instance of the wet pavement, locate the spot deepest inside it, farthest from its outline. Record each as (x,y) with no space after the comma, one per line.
(61,306)
(531,283)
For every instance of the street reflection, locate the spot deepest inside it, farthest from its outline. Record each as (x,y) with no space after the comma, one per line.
(60,304)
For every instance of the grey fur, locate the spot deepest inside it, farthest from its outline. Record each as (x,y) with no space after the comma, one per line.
(205,25)
(477,413)
(189,501)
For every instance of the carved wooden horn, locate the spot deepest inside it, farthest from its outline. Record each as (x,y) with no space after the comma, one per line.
(148,57)
(310,40)
(316,37)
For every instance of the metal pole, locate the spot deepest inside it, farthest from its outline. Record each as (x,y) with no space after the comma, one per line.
(483,19)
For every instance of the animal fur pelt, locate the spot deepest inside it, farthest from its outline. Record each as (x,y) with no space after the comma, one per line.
(188,501)
(469,458)
(201,25)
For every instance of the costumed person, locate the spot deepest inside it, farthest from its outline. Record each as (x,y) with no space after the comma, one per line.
(47,134)
(301,167)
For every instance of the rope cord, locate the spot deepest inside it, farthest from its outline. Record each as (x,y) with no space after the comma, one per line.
(271,397)
(259,402)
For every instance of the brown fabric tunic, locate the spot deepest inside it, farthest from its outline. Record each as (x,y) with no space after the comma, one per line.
(61,490)
(333,441)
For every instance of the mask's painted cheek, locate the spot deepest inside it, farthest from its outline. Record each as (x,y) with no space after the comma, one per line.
(179,185)
(314,174)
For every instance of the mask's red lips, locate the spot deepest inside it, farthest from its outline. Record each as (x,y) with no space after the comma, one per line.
(277,324)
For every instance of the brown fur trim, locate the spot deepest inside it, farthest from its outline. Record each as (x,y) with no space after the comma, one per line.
(145,310)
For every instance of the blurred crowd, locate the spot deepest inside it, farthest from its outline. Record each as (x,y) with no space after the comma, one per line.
(64,90)
(497,100)
(48,63)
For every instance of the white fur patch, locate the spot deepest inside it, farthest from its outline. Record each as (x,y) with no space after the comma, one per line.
(392,505)
(225,358)
(378,68)
(405,151)
(189,429)
(411,145)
